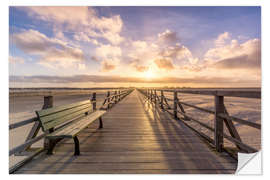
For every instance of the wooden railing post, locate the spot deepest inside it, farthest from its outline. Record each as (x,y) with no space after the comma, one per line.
(109,99)
(161,99)
(48,103)
(175,102)
(119,97)
(151,98)
(115,97)
(94,101)
(219,108)
(155,95)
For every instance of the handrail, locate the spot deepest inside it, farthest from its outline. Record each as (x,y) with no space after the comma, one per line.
(22,123)
(253,93)
(224,116)
(220,113)
(116,97)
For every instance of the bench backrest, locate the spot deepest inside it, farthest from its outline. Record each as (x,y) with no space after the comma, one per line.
(52,117)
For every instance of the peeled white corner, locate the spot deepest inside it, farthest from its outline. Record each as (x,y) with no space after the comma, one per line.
(249,164)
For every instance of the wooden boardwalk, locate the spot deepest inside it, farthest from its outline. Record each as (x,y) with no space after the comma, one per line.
(136,138)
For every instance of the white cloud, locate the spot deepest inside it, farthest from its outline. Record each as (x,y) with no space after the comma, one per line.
(80,20)
(52,52)
(108,51)
(222,38)
(168,37)
(109,56)
(84,37)
(250,48)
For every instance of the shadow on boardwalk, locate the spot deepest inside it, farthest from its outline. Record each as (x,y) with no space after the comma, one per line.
(136,138)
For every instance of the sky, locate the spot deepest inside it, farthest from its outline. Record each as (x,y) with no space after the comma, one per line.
(134,46)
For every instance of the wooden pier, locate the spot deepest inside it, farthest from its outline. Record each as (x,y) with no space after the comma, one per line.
(137,137)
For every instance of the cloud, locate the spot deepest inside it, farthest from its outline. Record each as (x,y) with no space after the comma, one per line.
(80,36)
(222,38)
(177,51)
(136,63)
(239,62)
(236,56)
(34,42)
(16,60)
(108,51)
(144,54)
(52,52)
(164,64)
(60,14)
(109,56)
(141,68)
(107,66)
(121,79)
(84,21)
(139,45)
(168,37)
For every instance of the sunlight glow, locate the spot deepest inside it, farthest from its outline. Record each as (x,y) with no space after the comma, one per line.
(149,74)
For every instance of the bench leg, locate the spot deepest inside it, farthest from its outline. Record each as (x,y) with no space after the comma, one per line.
(51,145)
(100,123)
(77,146)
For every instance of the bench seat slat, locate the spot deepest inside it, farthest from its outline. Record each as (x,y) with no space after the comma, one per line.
(52,110)
(67,118)
(73,129)
(61,114)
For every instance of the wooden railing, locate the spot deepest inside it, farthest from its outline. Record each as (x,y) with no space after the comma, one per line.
(221,114)
(114,98)
(110,99)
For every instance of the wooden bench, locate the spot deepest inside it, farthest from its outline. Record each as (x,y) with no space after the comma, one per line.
(67,121)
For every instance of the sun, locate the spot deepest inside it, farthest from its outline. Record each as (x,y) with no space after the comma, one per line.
(149,74)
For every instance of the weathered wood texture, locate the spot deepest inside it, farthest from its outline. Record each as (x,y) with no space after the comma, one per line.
(136,138)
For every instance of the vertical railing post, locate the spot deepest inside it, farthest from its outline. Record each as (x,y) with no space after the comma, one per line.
(48,103)
(115,97)
(161,99)
(155,95)
(175,101)
(109,99)
(219,108)
(94,101)
(151,98)
(118,97)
